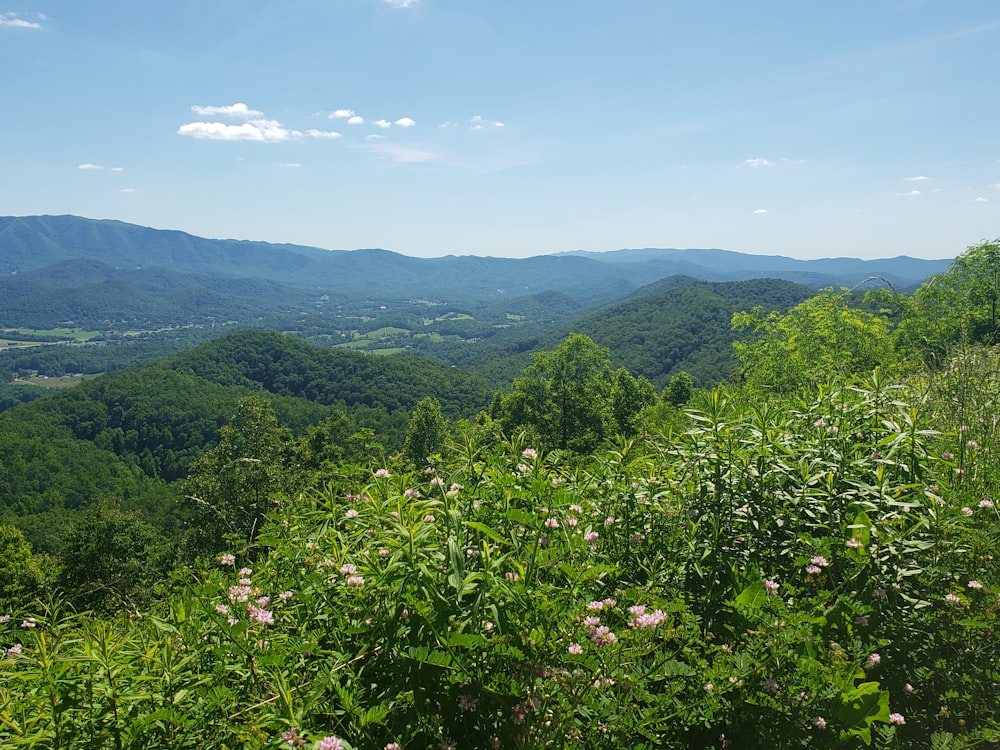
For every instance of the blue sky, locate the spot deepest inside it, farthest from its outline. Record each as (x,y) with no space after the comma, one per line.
(866,128)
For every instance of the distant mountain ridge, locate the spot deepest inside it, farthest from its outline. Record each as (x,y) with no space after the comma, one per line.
(30,243)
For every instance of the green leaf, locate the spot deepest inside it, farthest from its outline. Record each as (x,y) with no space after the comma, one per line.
(860,707)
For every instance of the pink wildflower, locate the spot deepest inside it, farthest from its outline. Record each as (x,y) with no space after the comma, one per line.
(529,453)
(819,722)
(355,581)
(227,559)
(771,587)
(896,719)
(330,743)
(602,636)
(437,482)
(985,503)
(380,474)
(393,746)
(245,572)
(853,544)
(411,493)
(221,609)
(952,599)
(351,513)
(873,661)
(285,595)
(28,623)
(575,648)
(261,615)
(455,487)
(975,585)
(348,569)
(552,523)
(591,536)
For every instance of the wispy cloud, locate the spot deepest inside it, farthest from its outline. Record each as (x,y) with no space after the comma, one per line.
(912,193)
(403,3)
(341,114)
(758,163)
(760,211)
(403,153)
(356,120)
(18,21)
(918,178)
(117,169)
(981,199)
(291,165)
(481,123)
(325,134)
(126,190)
(239,110)
(382,123)
(89,166)
(406,122)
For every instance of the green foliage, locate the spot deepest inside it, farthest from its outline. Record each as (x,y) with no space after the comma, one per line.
(679,390)
(565,397)
(426,432)
(818,340)
(233,485)
(21,577)
(113,560)
(959,306)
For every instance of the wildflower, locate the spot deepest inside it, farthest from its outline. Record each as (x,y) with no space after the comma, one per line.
(455,487)
(952,599)
(609,602)
(879,593)
(467,702)
(285,595)
(28,623)
(709,687)
(472,553)
(437,482)
(947,455)
(571,522)
(429,518)
(411,493)
(4,618)
(524,468)
(495,743)
(512,576)
(770,686)
(595,606)
(819,422)
(330,743)
(575,648)
(576,508)
(819,722)
(592,622)
(814,570)
(348,569)
(648,619)
(263,601)
(393,746)
(556,481)
(873,661)
(772,587)
(221,609)
(232,621)
(602,636)
(975,585)
(853,544)
(985,503)
(529,453)
(292,737)
(261,615)
(972,444)
(448,744)
(552,523)
(355,581)
(591,536)
(14,650)
(820,561)
(896,719)
(610,521)
(380,474)
(351,513)
(907,688)
(227,559)
(967,510)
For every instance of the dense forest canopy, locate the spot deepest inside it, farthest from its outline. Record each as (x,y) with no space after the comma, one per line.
(260,542)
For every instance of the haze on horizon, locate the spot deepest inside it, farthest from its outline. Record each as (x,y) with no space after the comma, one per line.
(437,127)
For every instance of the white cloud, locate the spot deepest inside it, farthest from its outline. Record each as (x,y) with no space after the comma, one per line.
(264,131)
(126,190)
(403,154)
(88,165)
(911,193)
(448,124)
(327,134)
(15,21)
(117,169)
(356,120)
(996,185)
(918,178)
(374,137)
(383,123)
(760,211)
(980,199)
(341,114)
(229,110)
(403,3)
(406,122)
(291,165)
(758,163)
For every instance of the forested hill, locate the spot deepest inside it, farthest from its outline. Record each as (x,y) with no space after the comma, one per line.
(123,435)
(35,242)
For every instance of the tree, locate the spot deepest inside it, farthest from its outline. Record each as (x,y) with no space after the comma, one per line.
(629,397)
(679,389)
(564,397)
(817,340)
(426,431)
(232,486)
